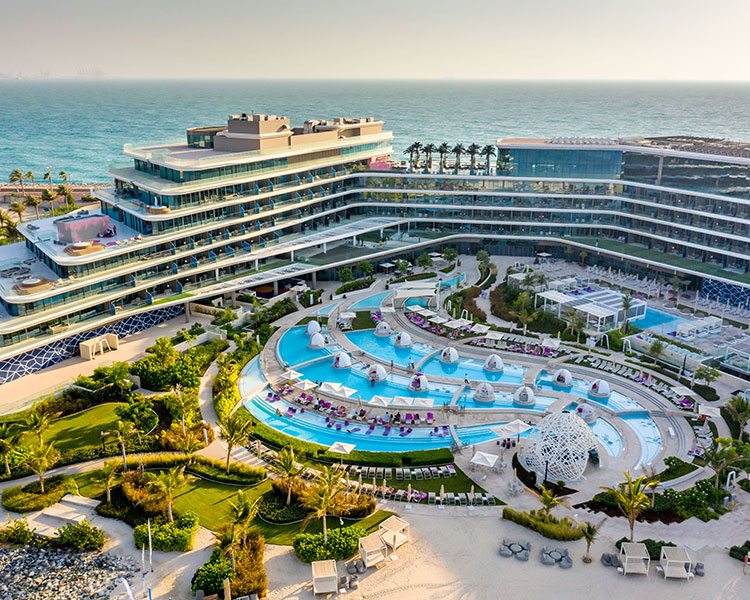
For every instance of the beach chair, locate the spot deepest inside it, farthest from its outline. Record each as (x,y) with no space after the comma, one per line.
(431,498)
(452,470)
(399,474)
(445,472)
(462,500)
(407,419)
(407,474)
(400,495)
(434,472)
(478,498)
(418,474)
(426,473)
(430,418)
(379,472)
(371,472)
(387,430)
(388,473)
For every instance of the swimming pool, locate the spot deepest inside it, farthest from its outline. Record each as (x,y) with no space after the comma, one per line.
(580,388)
(384,349)
(453,282)
(251,378)
(502,400)
(648,434)
(659,321)
(292,347)
(474,370)
(609,437)
(370,303)
(326,310)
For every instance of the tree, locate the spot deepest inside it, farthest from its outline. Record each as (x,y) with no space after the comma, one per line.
(655,350)
(631,498)
(116,376)
(243,511)
(64,191)
(41,459)
(179,403)
(189,443)
(739,408)
(49,198)
(365,266)
(424,260)
(549,500)
(576,324)
(450,254)
(402,266)
(428,149)
(723,453)
(235,431)
(34,202)
(413,152)
(590,532)
(124,432)
(483,257)
(324,497)
(48,177)
(18,208)
(528,281)
(473,150)
(165,484)
(582,255)
(346,275)
(17,176)
(488,152)
(443,150)
(675,282)
(627,304)
(228,540)
(108,477)
(706,374)
(458,150)
(9,437)
(30,176)
(37,421)
(522,311)
(7,225)
(288,470)
(541,280)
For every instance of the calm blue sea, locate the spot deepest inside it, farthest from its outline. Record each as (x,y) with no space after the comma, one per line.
(81,126)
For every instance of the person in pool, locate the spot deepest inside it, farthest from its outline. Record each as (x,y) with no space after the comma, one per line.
(466,379)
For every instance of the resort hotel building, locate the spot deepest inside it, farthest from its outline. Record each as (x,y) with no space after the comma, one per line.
(260,202)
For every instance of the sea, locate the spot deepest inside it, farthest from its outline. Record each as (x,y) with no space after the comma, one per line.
(80,126)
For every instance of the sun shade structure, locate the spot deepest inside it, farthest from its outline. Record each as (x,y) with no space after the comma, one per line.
(559,447)
(394,531)
(494,363)
(380,401)
(634,558)
(325,578)
(512,429)
(317,341)
(483,459)
(562,377)
(524,396)
(480,329)
(341,448)
(675,562)
(383,329)
(449,355)
(313,327)
(372,549)
(422,403)
(330,388)
(403,340)
(599,388)
(306,384)
(484,393)
(377,373)
(291,375)
(342,361)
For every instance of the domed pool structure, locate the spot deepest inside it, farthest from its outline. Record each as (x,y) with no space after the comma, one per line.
(342,361)
(494,363)
(599,389)
(587,413)
(317,341)
(449,355)
(377,373)
(403,340)
(562,378)
(313,327)
(559,447)
(484,393)
(383,329)
(419,383)
(524,396)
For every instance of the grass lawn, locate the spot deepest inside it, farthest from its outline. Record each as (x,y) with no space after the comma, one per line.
(363,320)
(306,320)
(82,430)
(460,483)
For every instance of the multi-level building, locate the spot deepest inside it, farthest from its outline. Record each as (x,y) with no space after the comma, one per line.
(261,202)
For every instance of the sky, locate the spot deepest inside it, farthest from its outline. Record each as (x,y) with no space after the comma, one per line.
(395,39)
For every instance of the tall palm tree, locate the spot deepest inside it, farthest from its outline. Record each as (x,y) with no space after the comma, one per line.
(627,304)
(288,470)
(49,197)
(458,150)
(428,149)
(723,453)
(590,532)
(488,152)
(64,191)
(541,280)
(189,443)
(522,311)
(235,431)
(165,484)
(549,500)
(37,421)
(8,226)
(117,377)
(124,432)
(163,351)
(108,477)
(64,176)
(413,152)
(18,208)
(229,539)
(739,408)
(17,176)
(473,150)
(35,202)
(41,459)
(180,403)
(323,498)
(243,511)
(9,437)
(631,498)
(30,176)
(48,177)
(443,150)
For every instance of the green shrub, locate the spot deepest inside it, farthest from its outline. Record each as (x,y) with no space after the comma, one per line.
(80,536)
(210,577)
(274,510)
(121,508)
(304,298)
(342,543)
(652,546)
(176,536)
(29,497)
(675,468)
(275,312)
(202,466)
(250,576)
(17,532)
(359,284)
(553,528)
(739,552)
(140,411)
(415,277)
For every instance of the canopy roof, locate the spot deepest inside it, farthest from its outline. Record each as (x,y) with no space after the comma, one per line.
(348,315)
(324,568)
(681,390)
(557,297)
(494,335)
(634,550)
(341,448)
(479,328)
(423,403)
(380,401)
(709,411)
(291,374)
(675,554)
(484,459)
(415,291)
(597,311)
(438,320)
(372,543)
(394,523)
(511,429)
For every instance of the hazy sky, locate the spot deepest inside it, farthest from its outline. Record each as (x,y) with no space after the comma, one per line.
(498,39)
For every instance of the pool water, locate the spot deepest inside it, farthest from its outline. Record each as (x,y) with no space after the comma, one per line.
(648,434)
(292,347)
(609,437)
(474,370)
(453,282)
(616,401)
(384,349)
(326,310)
(370,303)
(659,321)
(502,400)
(251,378)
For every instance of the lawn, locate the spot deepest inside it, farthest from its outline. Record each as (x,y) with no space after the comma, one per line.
(82,430)
(306,320)
(363,320)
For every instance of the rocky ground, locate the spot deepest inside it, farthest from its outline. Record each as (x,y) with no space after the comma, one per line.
(41,574)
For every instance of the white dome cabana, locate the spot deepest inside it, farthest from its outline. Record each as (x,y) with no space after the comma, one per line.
(560,446)
(484,393)
(587,413)
(383,329)
(317,341)
(448,355)
(494,363)
(313,327)
(599,389)
(342,361)
(524,396)
(419,383)
(403,340)
(377,373)
(562,378)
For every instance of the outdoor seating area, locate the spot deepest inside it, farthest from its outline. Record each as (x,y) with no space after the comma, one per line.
(430,321)
(519,550)
(509,342)
(556,556)
(675,562)
(634,558)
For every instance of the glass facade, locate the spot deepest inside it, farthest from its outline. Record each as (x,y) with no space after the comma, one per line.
(575,164)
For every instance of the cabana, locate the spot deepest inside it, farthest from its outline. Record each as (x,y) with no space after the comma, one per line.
(387,266)
(634,558)
(687,331)
(675,562)
(480,329)
(597,316)
(372,549)
(414,289)
(438,320)
(325,577)
(394,531)
(89,348)
(555,298)
(713,323)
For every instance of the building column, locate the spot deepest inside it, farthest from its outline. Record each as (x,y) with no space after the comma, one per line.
(325,248)
(217,274)
(256,264)
(276,287)
(314,278)
(291,255)
(187,312)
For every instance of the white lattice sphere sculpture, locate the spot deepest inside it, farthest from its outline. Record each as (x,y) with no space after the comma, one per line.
(599,389)
(377,373)
(313,327)
(317,341)
(383,329)
(449,355)
(403,340)
(342,361)
(494,363)
(560,445)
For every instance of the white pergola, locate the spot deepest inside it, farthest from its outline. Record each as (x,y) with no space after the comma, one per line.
(634,558)
(325,577)
(415,289)
(394,531)
(675,562)
(480,329)
(596,315)
(372,549)
(556,298)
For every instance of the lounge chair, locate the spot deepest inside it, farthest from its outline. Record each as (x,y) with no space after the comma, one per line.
(387,430)
(418,474)
(450,498)
(400,495)
(488,499)
(431,498)
(407,474)
(371,472)
(430,418)
(379,472)
(565,562)
(451,470)
(478,498)
(399,474)
(462,499)
(434,472)
(426,473)
(445,472)
(388,473)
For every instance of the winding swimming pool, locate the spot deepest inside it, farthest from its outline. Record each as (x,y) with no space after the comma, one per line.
(648,434)
(473,370)
(370,303)
(292,347)
(580,388)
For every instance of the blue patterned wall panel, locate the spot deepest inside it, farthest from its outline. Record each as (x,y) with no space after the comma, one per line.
(44,356)
(723,292)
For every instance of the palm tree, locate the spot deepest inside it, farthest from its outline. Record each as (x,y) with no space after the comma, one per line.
(243,511)
(473,150)
(443,150)
(18,208)
(41,459)
(35,202)
(549,500)
(190,443)
(413,152)
(631,497)
(722,454)
(589,531)
(30,176)
(458,150)
(582,257)
(655,350)
(49,197)
(165,484)
(179,402)
(124,432)
(488,152)
(18,176)
(627,304)
(107,476)
(9,437)
(37,421)
(235,431)
(286,468)
(739,408)
(228,540)
(675,282)
(48,176)
(64,176)
(8,226)
(522,311)
(428,150)
(63,191)
(706,374)
(541,280)
(323,498)
(576,324)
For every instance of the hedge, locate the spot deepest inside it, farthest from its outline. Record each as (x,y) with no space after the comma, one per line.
(29,499)
(250,577)
(169,537)
(210,577)
(81,536)
(342,543)
(275,312)
(553,528)
(416,277)
(675,468)
(355,285)
(739,552)
(733,424)
(274,510)
(202,466)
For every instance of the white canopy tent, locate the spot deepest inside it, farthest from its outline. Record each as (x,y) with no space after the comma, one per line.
(414,289)
(483,459)
(372,549)
(555,298)
(422,403)
(675,562)
(438,320)
(597,315)
(394,531)
(330,388)
(306,384)
(380,401)
(634,558)
(480,329)
(494,335)
(291,375)
(513,429)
